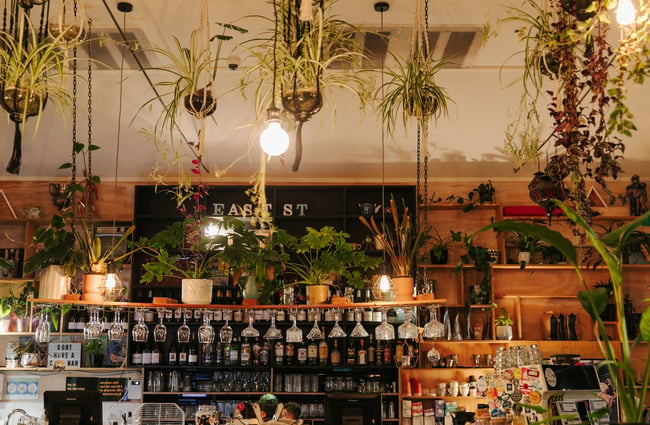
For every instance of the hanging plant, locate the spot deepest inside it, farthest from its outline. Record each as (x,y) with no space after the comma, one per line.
(566,41)
(310,42)
(32,71)
(411,90)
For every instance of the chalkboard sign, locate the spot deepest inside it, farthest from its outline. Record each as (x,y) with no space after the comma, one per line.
(112,389)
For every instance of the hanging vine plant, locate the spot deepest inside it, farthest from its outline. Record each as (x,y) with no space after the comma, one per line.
(570,64)
(411,91)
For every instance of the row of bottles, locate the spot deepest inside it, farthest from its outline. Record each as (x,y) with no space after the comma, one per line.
(257,351)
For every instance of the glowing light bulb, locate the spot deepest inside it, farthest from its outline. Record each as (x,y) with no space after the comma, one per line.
(625,12)
(384,283)
(274,139)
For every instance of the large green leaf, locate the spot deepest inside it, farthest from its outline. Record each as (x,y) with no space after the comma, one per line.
(594,302)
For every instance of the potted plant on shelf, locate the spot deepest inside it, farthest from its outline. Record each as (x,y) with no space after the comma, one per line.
(56,259)
(15,306)
(527,246)
(402,241)
(503,325)
(95,351)
(320,256)
(94,262)
(440,246)
(631,397)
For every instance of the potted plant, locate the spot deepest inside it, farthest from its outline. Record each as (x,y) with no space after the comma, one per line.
(527,246)
(631,397)
(16,305)
(440,246)
(503,325)
(251,259)
(298,55)
(320,256)
(33,72)
(402,241)
(95,350)
(56,259)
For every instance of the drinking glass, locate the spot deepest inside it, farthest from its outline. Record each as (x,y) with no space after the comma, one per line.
(315,332)
(384,331)
(140,332)
(225,333)
(116,329)
(93,327)
(183,332)
(294,333)
(337,331)
(273,332)
(434,329)
(359,331)
(42,333)
(160,331)
(206,331)
(250,331)
(407,330)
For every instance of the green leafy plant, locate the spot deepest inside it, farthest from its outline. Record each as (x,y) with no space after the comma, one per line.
(503,318)
(441,244)
(594,301)
(92,257)
(94,346)
(317,256)
(17,304)
(401,239)
(58,247)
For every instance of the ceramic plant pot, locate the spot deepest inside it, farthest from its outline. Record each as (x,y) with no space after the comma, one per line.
(196,291)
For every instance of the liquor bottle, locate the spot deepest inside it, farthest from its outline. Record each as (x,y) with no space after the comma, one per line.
(227,346)
(362,354)
(234,352)
(323,351)
(218,354)
(146,353)
(335,355)
(350,355)
(172,354)
(278,353)
(207,354)
(182,354)
(265,353)
(371,352)
(388,354)
(289,354)
(255,352)
(379,353)
(155,353)
(136,356)
(301,353)
(193,351)
(312,353)
(71,325)
(399,351)
(246,352)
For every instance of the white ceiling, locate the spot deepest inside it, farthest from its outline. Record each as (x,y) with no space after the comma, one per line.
(345,145)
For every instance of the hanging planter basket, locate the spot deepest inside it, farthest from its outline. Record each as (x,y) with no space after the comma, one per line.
(201,103)
(303,103)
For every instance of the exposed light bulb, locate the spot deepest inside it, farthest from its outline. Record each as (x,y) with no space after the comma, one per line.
(383,289)
(384,283)
(625,12)
(274,139)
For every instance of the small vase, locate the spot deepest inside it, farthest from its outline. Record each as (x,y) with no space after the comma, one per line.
(504,332)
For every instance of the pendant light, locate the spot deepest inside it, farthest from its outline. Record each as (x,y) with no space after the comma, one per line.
(625,12)
(383,288)
(274,139)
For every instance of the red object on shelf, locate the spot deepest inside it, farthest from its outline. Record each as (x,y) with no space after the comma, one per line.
(528,211)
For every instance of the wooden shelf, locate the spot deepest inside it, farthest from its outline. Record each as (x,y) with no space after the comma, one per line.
(136,305)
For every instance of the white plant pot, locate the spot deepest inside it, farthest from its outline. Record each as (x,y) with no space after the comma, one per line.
(523,257)
(504,332)
(53,283)
(196,291)
(5,324)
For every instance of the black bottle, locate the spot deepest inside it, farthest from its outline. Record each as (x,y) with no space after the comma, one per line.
(172,354)
(193,351)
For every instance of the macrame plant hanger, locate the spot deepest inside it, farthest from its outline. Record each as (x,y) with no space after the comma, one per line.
(18,101)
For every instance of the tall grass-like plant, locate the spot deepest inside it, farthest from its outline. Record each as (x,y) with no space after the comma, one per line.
(594,301)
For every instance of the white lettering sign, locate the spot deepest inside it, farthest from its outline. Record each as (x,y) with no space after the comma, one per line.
(70,352)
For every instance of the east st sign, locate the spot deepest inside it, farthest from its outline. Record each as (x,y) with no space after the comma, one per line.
(288,209)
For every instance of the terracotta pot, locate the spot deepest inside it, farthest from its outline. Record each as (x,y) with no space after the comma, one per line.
(403,288)
(196,291)
(93,283)
(317,294)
